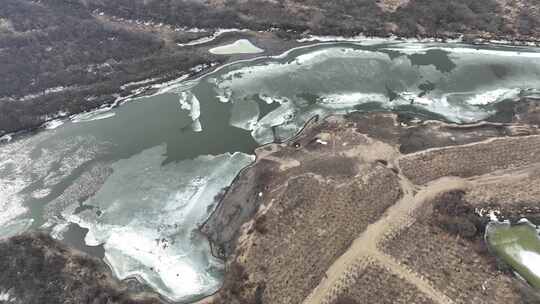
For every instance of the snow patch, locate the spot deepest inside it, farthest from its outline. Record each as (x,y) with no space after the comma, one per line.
(531,260)
(492,96)
(59,229)
(53,124)
(370,40)
(493,214)
(5,296)
(139,83)
(244,114)
(340,100)
(241,46)
(216,34)
(41,193)
(98,114)
(6,138)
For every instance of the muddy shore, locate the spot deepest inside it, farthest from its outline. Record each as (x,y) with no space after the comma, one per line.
(63,57)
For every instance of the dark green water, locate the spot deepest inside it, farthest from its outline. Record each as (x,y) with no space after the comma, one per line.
(519,246)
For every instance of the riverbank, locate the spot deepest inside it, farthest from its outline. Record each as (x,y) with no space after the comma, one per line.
(62,58)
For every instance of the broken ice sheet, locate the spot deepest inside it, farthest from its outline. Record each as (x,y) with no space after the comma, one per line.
(244,114)
(465,83)
(190,102)
(14,227)
(148,216)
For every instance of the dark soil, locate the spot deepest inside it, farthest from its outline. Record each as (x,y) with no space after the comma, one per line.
(38,269)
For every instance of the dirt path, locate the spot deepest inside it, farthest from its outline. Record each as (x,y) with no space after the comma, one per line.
(365,247)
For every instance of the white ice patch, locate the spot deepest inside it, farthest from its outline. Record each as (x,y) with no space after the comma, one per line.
(14,227)
(4,295)
(18,171)
(349,100)
(284,114)
(53,124)
(245,114)
(531,260)
(98,114)
(36,159)
(41,193)
(6,138)
(190,102)
(58,230)
(199,68)
(207,39)
(369,40)
(330,38)
(10,205)
(494,215)
(241,46)
(422,48)
(46,92)
(269,99)
(319,56)
(148,223)
(447,105)
(492,96)
(139,83)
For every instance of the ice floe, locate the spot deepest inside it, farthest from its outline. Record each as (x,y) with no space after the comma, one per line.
(41,193)
(492,96)
(6,138)
(244,114)
(189,102)
(148,224)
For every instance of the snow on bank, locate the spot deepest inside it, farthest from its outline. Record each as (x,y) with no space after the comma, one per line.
(216,34)
(53,124)
(98,114)
(241,46)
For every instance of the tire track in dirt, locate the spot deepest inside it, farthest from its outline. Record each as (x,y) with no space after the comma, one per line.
(365,247)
